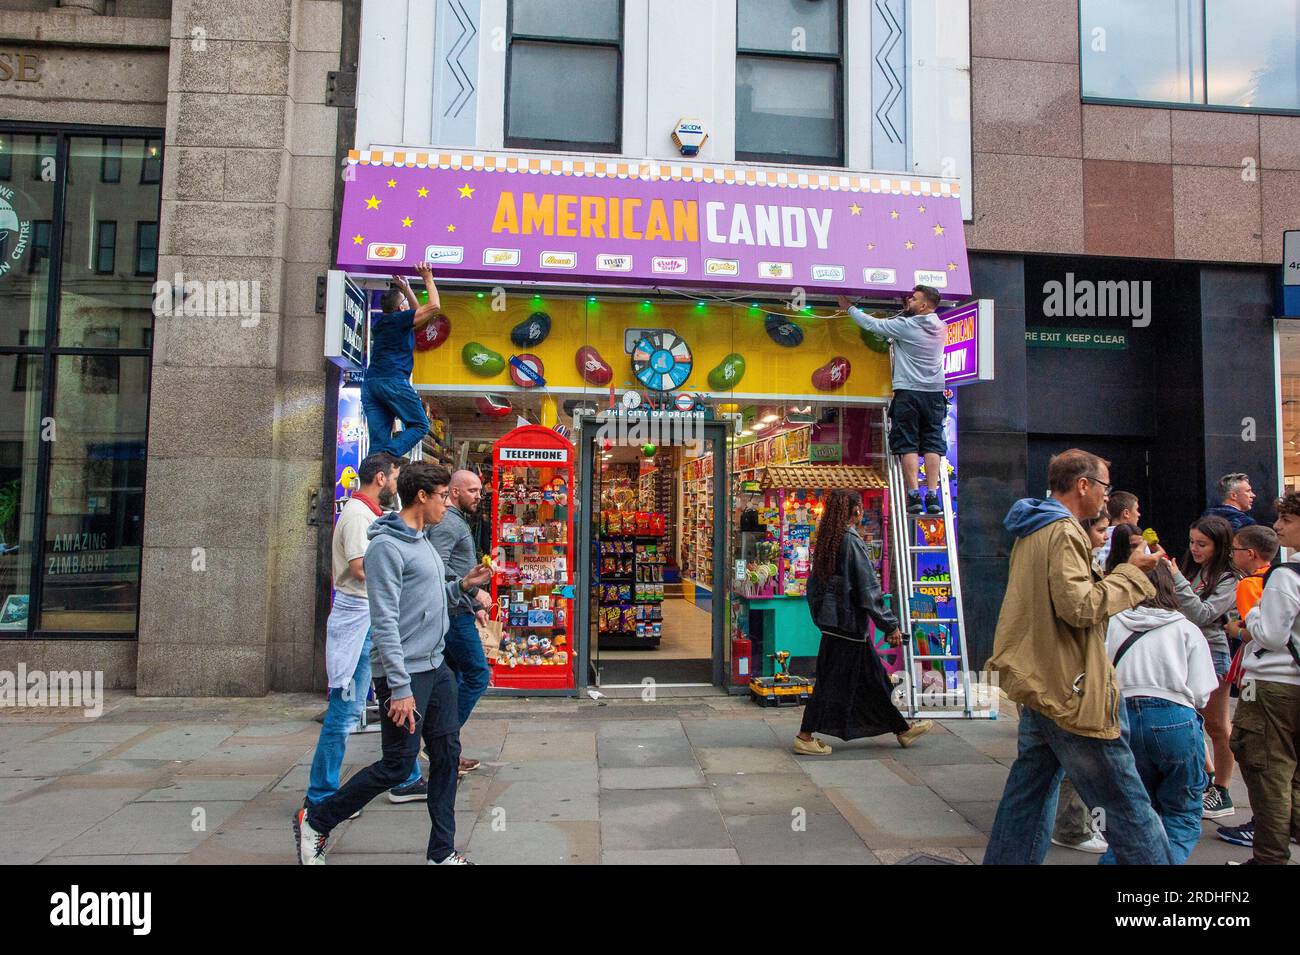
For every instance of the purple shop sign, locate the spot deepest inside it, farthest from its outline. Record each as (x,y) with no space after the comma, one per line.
(968,354)
(505,217)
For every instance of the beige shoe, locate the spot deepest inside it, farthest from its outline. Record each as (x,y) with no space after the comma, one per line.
(913,732)
(813,747)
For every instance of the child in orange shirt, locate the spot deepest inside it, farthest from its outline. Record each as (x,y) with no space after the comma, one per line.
(1253,550)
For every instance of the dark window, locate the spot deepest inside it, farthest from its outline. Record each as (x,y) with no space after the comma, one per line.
(146,248)
(151,165)
(40,245)
(43,157)
(105,247)
(110,162)
(790,81)
(564,75)
(6,158)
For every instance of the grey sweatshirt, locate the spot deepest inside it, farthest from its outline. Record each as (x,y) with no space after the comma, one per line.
(454,541)
(1207,613)
(409,592)
(918,347)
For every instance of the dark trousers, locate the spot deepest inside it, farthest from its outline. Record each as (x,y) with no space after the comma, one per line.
(1266,742)
(437,722)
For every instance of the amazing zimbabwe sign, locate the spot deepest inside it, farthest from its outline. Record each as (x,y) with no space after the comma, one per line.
(524,217)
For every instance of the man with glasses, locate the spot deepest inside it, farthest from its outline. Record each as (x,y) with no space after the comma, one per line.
(1050,654)
(1236,499)
(409,591)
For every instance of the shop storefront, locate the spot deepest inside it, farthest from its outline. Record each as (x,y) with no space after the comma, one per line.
(646,365)
(78,253)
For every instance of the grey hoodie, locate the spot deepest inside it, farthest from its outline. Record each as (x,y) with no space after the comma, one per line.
(453,539)
(918,340)
(409,592)
(1208,611)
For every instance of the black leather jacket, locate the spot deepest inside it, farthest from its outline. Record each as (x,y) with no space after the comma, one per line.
(851,598)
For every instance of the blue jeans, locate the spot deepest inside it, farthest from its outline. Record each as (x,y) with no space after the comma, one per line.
(1105,776)
(344,712)
(382,400)
(1167,748)
(464,651)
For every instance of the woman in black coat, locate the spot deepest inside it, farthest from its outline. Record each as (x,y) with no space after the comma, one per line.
(851,698)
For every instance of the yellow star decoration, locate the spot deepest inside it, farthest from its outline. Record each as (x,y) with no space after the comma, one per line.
(952,266)
(451,228)
(358,239)
(893,214)
(373,202)
(406,222)
(392,184)
(422,192)
(855,209)
(871,246)
(938,229)
(909,244)
(466,191)
(920,208)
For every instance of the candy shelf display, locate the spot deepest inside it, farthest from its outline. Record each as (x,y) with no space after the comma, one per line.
(631,556)
(697,521)
(532,544)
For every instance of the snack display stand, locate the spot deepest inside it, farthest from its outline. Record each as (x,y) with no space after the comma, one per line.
(630,583)
(532,540)
(773,603)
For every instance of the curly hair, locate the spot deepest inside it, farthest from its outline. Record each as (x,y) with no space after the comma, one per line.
(834,522)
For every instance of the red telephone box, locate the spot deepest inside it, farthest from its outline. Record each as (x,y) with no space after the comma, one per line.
(532,547)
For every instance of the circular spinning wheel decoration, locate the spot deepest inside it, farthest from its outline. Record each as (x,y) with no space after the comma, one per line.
(661,361)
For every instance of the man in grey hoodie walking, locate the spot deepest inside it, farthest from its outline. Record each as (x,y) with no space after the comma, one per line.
(409,591)
(916,414)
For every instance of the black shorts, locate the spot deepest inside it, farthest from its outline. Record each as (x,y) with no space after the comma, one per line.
(916,422)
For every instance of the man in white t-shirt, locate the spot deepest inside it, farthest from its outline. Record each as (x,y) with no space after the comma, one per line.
(347,653)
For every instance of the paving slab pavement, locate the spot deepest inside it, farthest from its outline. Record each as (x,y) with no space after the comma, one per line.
(704,780)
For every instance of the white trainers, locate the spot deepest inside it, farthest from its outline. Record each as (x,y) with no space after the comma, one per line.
(454,859)
(1095,844)
(310,843)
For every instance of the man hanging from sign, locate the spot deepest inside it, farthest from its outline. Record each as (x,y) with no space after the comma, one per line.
(386,391)
(916,414)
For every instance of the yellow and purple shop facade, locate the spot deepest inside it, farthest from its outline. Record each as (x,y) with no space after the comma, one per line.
(608,299)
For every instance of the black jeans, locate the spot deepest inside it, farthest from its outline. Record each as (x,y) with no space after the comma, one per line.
(439,725)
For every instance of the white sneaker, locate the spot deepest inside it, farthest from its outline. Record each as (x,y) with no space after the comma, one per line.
(454,859)
(309,842)
(1095,844)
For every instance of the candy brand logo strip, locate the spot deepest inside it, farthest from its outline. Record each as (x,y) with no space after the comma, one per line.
(880,276)
(669,264)
(386,251)
(775,270)
(934,278)
(445,254)
(613,263)
(828,273)
(500,256)
(559,260)
(722,266)
(77,908)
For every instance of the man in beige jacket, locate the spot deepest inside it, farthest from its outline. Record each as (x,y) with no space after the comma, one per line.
(1050,654)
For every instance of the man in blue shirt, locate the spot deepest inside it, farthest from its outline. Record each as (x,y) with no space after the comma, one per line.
(386,391)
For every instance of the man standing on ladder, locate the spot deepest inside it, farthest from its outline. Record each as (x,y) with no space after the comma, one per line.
(916,414)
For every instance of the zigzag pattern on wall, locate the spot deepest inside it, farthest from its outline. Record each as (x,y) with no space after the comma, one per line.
(884,56)
(467,33)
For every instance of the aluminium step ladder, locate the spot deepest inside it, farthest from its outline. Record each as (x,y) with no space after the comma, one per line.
(968,699)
